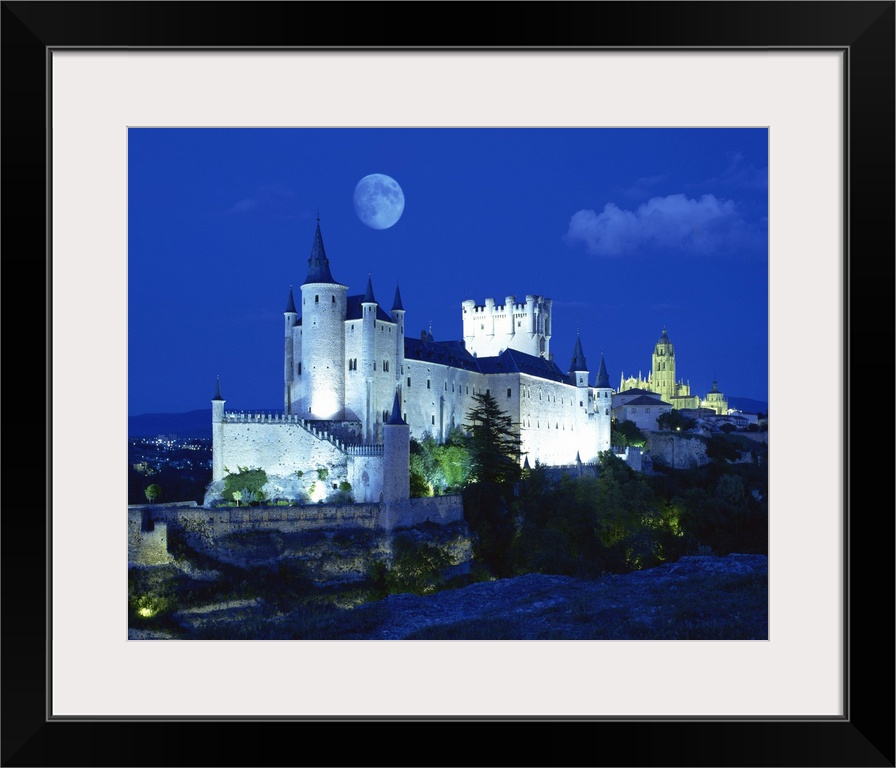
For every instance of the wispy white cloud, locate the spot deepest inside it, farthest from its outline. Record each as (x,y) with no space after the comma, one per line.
(243,206)
(675,223)
(273,200)
(643,187)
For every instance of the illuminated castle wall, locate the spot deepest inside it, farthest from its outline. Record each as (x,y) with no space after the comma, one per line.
(352,375)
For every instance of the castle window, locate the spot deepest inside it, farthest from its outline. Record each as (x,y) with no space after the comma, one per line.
(316,299)
(427,383)
(409,381)
(488,392)
(606,411)
(299,369)
(580,404)
(647,410)
(333,302)
(374,365)
(508,392)
(433,419)
(468,389)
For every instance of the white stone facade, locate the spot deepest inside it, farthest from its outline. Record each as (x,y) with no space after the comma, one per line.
(348,364)
(491,328)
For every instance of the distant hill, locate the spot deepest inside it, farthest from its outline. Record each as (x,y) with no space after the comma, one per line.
(199,423)
(189,424)
(747,405)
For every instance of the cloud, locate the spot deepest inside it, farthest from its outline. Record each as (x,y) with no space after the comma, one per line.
(643,186)
(243,206)
(674,223)
(274,201)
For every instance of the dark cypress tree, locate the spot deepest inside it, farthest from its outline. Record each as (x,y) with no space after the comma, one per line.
(494,443)
(494,447)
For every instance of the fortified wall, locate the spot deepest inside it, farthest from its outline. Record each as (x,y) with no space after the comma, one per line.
(677,451)
(148,527)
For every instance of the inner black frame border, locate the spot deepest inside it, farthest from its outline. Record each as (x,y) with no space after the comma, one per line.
(863,31)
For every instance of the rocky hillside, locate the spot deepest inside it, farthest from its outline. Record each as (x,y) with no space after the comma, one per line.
(698,597)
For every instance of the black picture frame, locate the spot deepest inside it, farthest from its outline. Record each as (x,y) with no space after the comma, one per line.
(864,736)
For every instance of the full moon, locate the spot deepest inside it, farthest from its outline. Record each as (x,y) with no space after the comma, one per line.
(379,201)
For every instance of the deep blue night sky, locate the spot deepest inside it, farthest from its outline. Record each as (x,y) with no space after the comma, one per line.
(627,230)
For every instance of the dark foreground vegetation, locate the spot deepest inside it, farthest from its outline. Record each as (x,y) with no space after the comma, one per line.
(562,541)
(579,544)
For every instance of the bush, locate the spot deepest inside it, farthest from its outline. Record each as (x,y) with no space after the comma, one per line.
(246,483)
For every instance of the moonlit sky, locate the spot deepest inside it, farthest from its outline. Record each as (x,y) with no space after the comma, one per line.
(627,230)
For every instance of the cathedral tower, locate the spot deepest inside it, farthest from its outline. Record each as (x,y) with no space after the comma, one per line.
(663,371)
(716,400)
(322,378)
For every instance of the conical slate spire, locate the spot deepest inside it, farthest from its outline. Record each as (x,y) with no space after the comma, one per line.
(395,418)
(318,264)
(396,305)
(291,304)
(578,357)
(368,294)
(603,378)
(217,389)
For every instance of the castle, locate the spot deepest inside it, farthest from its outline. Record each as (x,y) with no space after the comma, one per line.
(357,388)
(661,381)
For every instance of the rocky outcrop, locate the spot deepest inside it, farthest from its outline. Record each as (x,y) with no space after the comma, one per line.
(674,600)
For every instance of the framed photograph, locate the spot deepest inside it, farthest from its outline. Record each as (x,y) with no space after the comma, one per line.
(816,76)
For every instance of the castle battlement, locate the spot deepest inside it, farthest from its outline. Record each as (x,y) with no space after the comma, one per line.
(341,376)
(365,450)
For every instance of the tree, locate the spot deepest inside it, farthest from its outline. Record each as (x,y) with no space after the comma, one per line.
(626,432)
(674,421)
(494,447)
(152,492)
(494,444)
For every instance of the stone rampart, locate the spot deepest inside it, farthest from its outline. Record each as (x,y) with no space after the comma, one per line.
(433,509)
(147,538)
(147,533)
(677,451)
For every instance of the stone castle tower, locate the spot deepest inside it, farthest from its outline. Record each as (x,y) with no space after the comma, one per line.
(356,389)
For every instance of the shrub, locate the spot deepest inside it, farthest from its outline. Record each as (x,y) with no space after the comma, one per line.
(247,482)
